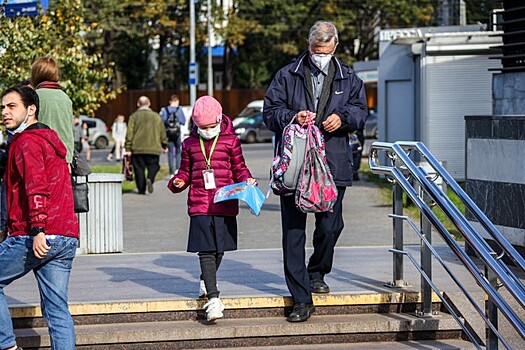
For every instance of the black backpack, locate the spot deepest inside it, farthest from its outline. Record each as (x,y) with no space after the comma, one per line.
(172,125)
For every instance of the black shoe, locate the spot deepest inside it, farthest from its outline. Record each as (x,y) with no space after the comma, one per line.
(301,312)
(319,286)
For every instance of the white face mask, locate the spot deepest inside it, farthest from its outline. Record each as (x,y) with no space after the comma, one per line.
(22,126)
(321,59)
(210,133)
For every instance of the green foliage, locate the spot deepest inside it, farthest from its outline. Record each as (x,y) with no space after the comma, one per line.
(61,33)
(478,11)
(129,32)
(269,34)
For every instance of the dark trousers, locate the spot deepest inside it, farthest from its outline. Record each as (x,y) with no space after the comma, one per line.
(141,162)
(328,227)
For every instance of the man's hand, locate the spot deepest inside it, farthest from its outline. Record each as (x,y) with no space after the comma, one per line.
(40,247)
(305,118)
(164,149)
(332,123)
(128,153)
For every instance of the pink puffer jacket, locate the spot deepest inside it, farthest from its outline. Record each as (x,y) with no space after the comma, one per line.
(227,163)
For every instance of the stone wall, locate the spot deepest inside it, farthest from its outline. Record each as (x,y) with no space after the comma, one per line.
(508,93)
(495,170)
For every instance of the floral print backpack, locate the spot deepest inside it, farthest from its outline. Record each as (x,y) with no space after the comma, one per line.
(316,190)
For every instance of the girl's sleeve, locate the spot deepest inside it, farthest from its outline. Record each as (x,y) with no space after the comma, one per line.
(239,169)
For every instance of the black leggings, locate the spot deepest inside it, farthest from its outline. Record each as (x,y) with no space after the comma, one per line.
(210,262)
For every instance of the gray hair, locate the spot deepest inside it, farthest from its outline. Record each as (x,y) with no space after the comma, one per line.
(322,32)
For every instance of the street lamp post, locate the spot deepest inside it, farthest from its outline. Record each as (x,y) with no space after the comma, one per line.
(193,71)
(210,56)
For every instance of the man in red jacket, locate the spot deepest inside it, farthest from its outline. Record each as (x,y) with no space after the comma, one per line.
(42,225)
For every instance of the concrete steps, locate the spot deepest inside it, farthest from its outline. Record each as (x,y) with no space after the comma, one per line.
(249,322)
(447,344)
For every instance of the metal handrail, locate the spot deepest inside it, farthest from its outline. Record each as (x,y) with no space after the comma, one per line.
(480,246)
(454,314)
(505,245)
(402,166)
(456,280)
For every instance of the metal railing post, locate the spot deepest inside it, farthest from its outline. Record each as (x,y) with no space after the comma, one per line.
(397,198)
(426,257)
(491,312)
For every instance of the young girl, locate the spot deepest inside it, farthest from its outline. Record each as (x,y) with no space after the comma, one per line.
(211,158)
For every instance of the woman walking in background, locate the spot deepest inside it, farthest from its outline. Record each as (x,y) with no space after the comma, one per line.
(118,132)
(56,108)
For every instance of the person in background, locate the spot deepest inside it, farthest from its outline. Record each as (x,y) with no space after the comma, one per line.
(173,118)
(316,88)
(145,140)
(211,158)
(118,132)
(78,134)
(356,143)
(43,227)
(56,108)
(85,141)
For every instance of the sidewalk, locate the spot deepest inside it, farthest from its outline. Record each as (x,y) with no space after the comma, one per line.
(155,267)
(154,264)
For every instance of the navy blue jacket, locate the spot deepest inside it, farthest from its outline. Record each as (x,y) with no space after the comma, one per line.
(288,94)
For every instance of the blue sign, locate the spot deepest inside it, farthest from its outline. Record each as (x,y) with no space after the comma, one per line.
(15,8)
(193,73)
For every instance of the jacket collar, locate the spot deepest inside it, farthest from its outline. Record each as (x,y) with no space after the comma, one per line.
(341,70)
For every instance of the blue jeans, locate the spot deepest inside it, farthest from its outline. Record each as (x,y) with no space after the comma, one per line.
(52,275)
(174,155)
(3,207)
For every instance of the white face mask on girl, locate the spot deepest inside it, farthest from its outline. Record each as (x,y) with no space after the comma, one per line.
(210,133)
(321,59)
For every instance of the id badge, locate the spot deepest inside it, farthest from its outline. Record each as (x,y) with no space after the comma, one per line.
(209,179)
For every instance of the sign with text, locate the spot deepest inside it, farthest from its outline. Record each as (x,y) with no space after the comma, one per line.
(15,8)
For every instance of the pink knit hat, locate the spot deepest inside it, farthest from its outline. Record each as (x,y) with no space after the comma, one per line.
(206,110)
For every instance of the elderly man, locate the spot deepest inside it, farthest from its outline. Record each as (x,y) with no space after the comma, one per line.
(316,88)
(145,140)
(42,225)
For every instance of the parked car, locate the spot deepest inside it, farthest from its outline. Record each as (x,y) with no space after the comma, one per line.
(98,131)
(252,129)
(370,130)
(253,108)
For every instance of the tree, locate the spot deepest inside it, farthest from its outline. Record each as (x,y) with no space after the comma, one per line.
(61,33)
(478,11)
(267,34)
(149,41)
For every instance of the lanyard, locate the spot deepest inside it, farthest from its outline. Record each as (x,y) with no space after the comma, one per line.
(208,159)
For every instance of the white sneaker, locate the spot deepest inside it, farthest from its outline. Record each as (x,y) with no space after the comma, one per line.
(202,290)
(214,309)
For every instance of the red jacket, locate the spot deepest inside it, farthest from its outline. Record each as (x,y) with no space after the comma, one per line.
(39,192)
(227,163)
